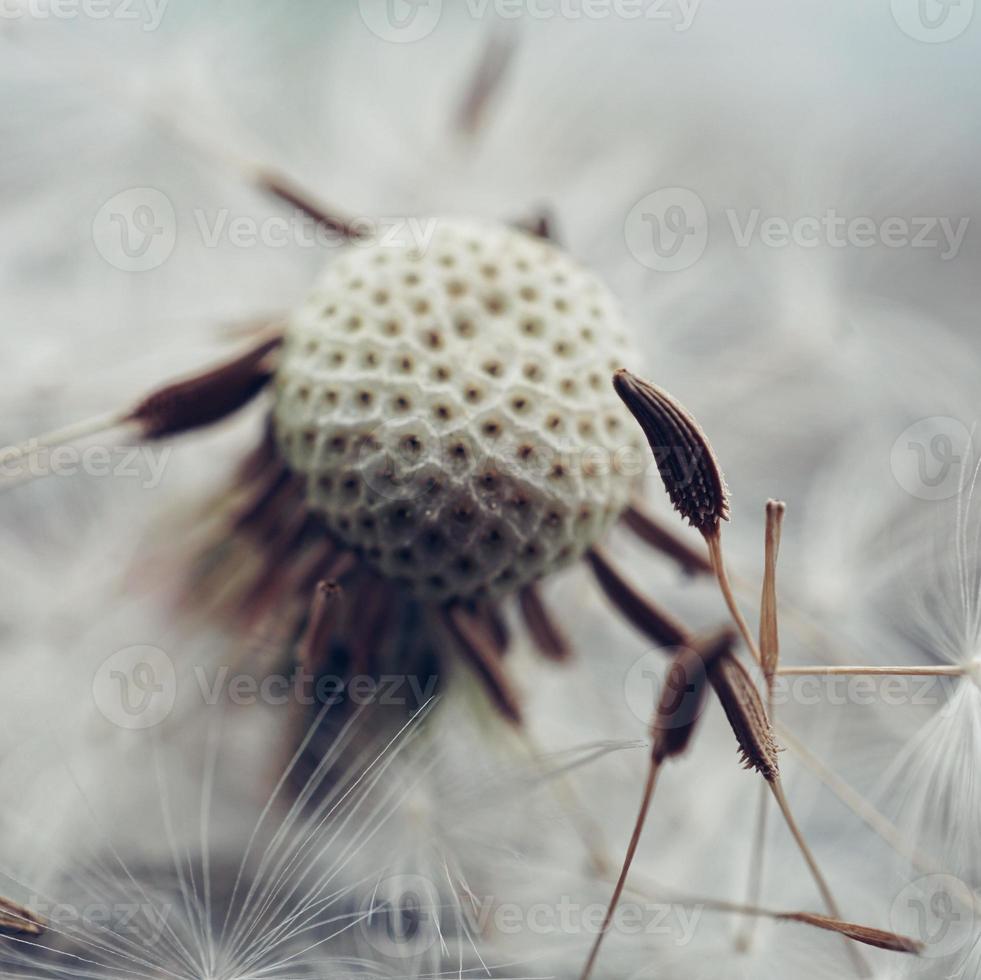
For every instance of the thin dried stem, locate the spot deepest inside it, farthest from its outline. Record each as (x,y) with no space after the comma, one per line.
(856,671)
(776,788)
(877,821)
(645,805)
(714,542)
(674,723)
(743,706)
(769,632)
(769,658)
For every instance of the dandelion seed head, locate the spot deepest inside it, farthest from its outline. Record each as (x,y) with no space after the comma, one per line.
(450,407)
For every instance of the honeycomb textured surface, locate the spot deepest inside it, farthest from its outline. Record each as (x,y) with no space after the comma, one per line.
(450,407)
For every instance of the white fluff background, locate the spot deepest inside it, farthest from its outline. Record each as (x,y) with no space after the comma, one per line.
(805,365)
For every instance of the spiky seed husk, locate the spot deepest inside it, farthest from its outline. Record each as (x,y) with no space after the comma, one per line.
(683,454)
(743,706)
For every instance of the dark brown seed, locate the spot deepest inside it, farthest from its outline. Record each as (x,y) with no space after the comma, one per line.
(861,934)
(652,532)
(542,626)
(683,695)
(281,186)
(207,397)
(654,622)
(18,921)
(491,70)
(684,457)
(479,648)
(320,625)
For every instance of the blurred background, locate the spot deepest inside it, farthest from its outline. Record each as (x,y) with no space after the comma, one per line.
(786,201)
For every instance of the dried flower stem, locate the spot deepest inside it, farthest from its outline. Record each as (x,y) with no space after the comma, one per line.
(770,657)
(714,542)
(672,728)
(769,629)
(869,936)
(878,822)
(919,671)
(748,718)
(645,805)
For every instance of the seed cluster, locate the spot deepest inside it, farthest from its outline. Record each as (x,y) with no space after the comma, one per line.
(450,407)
